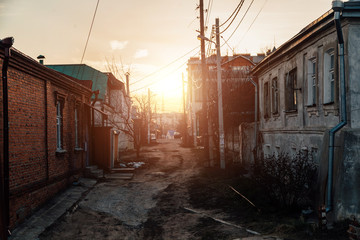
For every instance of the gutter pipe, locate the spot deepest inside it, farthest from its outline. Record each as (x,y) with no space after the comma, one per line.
(256,115)
(337,6)
(6,43)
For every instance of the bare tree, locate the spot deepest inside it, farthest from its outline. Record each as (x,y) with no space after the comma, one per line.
(142,103)
(128,116)
(124,115)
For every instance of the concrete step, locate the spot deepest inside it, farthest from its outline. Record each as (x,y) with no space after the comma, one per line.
(92,167)
(98,173)
(93,172)
(122,170)
(119,176)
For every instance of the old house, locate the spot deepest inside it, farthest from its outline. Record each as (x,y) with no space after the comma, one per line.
(111,116)
(48,121)
(309,101)
(238,97)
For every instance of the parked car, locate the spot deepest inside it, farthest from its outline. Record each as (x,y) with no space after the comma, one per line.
(177,135)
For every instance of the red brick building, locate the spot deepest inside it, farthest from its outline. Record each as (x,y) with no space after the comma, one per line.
(48,133)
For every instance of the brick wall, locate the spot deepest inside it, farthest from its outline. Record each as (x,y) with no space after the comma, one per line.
(37,171)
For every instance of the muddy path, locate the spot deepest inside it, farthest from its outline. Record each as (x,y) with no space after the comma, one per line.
(153,205)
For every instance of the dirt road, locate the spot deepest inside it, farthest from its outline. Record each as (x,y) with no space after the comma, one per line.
(155,204)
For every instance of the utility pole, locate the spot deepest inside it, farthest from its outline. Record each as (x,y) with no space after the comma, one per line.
(204,119)
(185,125)
(192,110)
(161,116)
(149,113)
(220,100)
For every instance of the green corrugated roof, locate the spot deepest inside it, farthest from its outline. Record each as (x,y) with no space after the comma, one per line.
(85,72)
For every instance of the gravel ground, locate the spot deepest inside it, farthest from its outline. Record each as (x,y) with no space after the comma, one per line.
(150,206)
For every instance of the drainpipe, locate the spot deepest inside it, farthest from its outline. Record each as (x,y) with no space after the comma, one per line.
(256,115)
(92,109)
(337,6)
(6,43)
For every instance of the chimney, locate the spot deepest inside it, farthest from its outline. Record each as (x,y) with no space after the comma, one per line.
(127,84)
(41,59)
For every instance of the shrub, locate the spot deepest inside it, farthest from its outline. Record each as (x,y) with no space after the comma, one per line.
(287,179)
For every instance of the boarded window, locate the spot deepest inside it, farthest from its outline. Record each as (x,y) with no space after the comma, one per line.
(291,91)
(275,96)
(266,100)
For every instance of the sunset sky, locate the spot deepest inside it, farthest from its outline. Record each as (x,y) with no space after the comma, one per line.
(150,39)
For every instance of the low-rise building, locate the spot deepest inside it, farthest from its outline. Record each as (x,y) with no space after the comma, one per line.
(302,99)
(48,140)
(111,117)
(238,98)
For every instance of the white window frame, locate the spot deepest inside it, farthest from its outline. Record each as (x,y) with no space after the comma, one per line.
(312,82)
(329,77)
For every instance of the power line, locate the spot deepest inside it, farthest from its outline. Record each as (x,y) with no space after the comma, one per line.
(208,13)
(252,23)
(240,4)
(92,23)
(239,22)
(231,14)
(164,66)
(158,80)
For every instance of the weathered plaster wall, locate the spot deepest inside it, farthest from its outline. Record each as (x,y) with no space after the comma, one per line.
(353,68)
(347,189)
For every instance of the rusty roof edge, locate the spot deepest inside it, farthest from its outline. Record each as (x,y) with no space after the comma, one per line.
(236,57)
(44,69)
(316,25)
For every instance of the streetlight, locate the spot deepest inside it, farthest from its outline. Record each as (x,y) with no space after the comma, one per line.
(6,43)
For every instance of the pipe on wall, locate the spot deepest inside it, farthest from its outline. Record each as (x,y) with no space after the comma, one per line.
(6,43)
(337,7)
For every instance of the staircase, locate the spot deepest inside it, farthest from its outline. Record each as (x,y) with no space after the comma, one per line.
(115,173)
(120,174)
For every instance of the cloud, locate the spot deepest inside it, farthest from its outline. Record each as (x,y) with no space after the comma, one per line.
(117,45)
(140,53)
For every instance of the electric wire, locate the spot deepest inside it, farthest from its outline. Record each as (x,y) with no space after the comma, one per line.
(212,34)
(252,23)
(242,2)
(239,22)
(208,13)
(158,80)
(227,44)
(164,66)
(92,23)
(231,14)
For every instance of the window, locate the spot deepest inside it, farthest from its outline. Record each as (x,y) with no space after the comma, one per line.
(290,91)
(266,100)
(312,83)
(275,96)
(58,125)
(329,77)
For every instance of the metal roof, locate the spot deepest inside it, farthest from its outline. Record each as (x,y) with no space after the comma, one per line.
(85,72)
